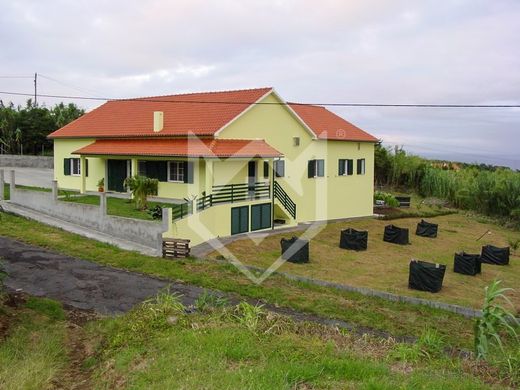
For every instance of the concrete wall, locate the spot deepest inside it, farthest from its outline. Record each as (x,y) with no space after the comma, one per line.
(12,160)
(93,217)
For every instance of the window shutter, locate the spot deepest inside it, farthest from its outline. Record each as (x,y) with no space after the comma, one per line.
(86,167)
(321,168)
(188,172)
(350,167)
(341,167)
(279,168)
(162,170)
(266,169)
(311,168)
(66,166)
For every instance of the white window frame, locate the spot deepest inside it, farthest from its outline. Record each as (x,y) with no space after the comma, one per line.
(181,174)
(72,173)
(363,166)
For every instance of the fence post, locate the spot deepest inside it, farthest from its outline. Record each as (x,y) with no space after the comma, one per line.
(167,218)
(103,204)
(54,187)
(12,184)
(159,243)
(2,184)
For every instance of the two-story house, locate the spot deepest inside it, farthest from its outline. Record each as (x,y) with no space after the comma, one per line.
(232,161)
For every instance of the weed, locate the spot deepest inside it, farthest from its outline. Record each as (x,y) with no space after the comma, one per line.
(207,301)
(514,244)
(495,318)
(248,315)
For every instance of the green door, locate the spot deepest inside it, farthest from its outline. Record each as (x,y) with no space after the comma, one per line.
(239,219)
(117,173)
(261,216)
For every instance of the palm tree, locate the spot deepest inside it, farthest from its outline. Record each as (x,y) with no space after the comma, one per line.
(141,187)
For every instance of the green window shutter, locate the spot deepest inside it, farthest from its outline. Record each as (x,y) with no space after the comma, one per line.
(266,169)
(162,170)
(341,167)
(321,168)
(311,168)
(279,168)
(188,172)
(350,167)
(66,166)
(86,167)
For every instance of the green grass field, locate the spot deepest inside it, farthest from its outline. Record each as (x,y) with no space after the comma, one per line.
(384,266)
(158,346)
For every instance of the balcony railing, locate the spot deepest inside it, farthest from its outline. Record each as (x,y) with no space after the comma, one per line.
(230,193)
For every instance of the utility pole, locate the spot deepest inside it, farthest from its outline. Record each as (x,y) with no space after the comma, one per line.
(35,88)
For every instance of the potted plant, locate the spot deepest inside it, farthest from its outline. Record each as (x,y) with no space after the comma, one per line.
(101,185)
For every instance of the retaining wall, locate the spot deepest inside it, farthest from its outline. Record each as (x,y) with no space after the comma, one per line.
(13,160)
(93,217)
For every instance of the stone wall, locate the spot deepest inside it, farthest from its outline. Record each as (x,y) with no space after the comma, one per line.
(12,160)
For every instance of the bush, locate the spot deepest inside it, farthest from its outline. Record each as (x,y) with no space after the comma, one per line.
(388,198)
(141,187)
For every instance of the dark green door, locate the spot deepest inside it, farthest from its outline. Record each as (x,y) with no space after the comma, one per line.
(117,173)
(261,216)
(239,219)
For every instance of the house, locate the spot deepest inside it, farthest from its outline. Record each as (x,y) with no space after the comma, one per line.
(232,161)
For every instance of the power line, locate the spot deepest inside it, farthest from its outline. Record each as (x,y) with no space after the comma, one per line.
(84,90)
(16,77)
(155,100)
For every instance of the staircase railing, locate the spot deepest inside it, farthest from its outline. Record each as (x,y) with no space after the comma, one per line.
(285,200)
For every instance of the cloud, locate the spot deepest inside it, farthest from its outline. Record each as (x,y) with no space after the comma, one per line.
(398,51)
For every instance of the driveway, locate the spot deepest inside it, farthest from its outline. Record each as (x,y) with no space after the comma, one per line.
(36,177)
(80,283)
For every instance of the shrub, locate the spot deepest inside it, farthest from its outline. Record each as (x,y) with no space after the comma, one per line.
(141,187)
(388,198)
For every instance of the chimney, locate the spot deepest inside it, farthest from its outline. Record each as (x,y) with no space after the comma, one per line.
(158,121)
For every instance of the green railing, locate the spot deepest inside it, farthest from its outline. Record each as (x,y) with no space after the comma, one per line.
(285,200)
(230,193)
(182,210)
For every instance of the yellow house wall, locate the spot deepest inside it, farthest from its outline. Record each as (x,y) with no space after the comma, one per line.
(328,197)
(211,223)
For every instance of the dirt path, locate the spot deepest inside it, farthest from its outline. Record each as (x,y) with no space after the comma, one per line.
(80,283)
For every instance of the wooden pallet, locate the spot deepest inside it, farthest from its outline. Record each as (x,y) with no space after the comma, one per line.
(176,247)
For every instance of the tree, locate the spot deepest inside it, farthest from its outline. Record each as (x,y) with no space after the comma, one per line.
(141,187)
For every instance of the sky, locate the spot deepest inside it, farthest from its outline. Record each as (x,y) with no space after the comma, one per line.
(398,51)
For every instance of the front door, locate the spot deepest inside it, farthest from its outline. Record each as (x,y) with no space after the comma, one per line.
(239,220)
(251,177)
(117,172)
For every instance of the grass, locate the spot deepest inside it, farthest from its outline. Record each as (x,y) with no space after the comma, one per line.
(397,318)
(219,349)
(117,206)
(384,266)
(158,346)
(33,352)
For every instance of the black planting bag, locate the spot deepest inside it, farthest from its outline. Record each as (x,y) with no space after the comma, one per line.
(354,239)
(495,255)
(427,229)
(467,264)
(426,276)
(396,235)
(295,250)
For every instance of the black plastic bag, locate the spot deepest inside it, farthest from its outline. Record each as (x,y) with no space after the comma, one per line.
(295,250)
(396,235)
(427,229)
(495,255)
(467,264)
(426,276)
(353,239)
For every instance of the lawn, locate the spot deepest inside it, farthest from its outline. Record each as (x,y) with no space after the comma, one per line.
(384,266)
(399,319)
(117,206)
(158,346)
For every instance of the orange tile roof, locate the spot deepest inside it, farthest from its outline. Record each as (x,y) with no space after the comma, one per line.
(192,113)
(181,147)
(327,125)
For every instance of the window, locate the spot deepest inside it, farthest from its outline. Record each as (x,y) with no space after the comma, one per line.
(141,168)
(345,167)
(279,168)
(176,171)
(296,141)
(72,166)
(316,168)
(361,166)
(266,169)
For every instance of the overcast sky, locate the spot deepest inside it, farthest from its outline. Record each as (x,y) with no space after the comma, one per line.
(459,51)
